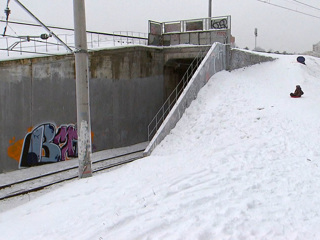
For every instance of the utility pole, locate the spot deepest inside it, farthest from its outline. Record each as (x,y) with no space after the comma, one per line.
(82,90)
(210,9)
(256,35)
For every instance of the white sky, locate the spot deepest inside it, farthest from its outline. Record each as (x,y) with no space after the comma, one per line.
(278,29)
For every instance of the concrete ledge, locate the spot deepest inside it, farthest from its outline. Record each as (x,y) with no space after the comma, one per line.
(240,58)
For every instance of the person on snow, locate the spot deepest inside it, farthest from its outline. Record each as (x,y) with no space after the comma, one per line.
(297,93)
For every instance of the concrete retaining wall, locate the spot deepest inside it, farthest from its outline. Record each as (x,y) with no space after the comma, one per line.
(126,90)
(240,59)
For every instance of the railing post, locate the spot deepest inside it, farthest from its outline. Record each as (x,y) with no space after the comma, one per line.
(7,46)
(20,47)
(91,41)
(176,96)
(156,126)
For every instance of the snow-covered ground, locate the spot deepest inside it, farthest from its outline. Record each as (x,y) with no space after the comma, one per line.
(242,163)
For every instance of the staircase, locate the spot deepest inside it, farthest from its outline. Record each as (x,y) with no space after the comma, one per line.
(158,119)
(204,66)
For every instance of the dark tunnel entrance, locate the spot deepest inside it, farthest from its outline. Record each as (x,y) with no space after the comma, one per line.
(174,70)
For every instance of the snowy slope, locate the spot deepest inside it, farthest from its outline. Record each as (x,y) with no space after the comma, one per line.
(242,163)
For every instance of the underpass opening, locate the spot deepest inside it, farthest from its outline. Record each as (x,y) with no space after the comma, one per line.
(174,70)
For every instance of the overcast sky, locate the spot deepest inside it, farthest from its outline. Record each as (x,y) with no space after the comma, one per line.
(278,29)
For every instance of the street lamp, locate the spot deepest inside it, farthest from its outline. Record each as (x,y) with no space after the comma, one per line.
(210,9)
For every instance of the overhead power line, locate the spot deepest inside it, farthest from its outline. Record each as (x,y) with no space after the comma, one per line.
(290,9)
(35,25)
(43,25)
(71,29)
(306,4)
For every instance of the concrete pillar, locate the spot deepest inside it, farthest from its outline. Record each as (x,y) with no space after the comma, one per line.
(82,90)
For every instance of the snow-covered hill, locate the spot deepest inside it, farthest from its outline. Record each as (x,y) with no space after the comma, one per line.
(242,163)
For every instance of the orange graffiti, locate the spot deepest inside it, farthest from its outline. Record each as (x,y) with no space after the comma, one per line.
(92,136)
(15,148)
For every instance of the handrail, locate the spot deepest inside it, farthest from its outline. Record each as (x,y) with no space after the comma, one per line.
(192,25)
(30,44)
(164,110)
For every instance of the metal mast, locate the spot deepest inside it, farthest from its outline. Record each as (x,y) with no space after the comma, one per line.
(210,9)
(82,90)
(255,39)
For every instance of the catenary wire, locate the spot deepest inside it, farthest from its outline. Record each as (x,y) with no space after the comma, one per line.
(290,9)
(306,5)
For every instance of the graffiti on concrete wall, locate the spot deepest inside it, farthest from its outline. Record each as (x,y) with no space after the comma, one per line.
(14,149)
(219,23)
(47,144)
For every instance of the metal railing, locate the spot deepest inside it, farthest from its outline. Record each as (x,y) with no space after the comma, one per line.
(163,112)
(191,25)
(202,31)
(13,45)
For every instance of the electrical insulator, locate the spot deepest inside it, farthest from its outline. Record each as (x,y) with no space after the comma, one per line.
(44,36)
(7,11)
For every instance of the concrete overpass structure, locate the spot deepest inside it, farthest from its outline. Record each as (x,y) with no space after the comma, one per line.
(128,85)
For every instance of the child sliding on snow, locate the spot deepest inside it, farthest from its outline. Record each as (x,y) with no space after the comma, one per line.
(297,93)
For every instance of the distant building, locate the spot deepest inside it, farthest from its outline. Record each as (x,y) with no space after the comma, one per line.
(316,47)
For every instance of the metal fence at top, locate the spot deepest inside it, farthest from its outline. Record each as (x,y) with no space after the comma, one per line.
(158,119)
(44,44)
(192,25)
(202,31)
